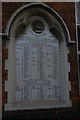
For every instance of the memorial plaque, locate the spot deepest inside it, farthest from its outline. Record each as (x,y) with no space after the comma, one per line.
(37,69)
(37,61)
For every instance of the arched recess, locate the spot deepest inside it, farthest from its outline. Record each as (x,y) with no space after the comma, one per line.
(37,26)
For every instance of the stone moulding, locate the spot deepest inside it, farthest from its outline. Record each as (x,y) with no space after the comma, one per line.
(56,24)
(45,7)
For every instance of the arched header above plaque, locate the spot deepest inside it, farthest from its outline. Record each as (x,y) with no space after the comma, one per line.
(37,59)
(22,15)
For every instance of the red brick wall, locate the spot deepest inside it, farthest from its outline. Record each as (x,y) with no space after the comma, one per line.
(67,12)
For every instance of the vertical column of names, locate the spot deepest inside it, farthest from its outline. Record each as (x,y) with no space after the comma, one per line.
(37,69)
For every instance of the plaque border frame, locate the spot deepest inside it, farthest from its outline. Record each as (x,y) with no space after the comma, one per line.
(9,64)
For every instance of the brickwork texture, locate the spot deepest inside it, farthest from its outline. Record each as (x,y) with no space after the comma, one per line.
(67,12)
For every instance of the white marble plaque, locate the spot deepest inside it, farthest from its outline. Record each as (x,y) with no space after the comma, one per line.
(37,69)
